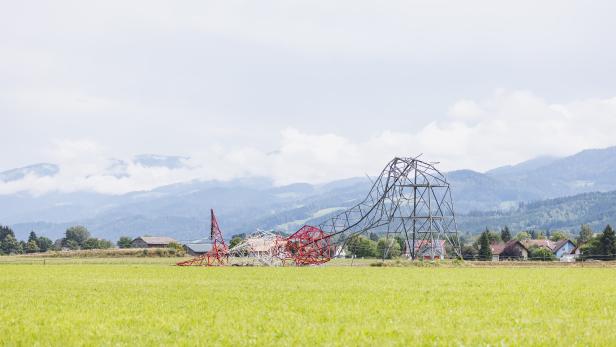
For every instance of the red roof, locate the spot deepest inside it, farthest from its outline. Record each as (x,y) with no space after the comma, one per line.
(498,248)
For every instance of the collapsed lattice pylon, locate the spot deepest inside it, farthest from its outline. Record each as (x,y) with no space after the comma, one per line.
(260,246)
(218,255)
(410,200)
(308,246)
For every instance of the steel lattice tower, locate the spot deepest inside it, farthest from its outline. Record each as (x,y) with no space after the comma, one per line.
(410,199)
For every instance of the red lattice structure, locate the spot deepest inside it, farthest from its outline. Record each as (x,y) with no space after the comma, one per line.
(308,246)
(218,255)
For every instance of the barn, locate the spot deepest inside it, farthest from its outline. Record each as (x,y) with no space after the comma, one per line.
(152,242)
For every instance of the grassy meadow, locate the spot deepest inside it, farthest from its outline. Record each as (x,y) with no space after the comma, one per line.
(154,303)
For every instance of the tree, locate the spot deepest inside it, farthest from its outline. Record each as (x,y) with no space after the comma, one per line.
(10,245)
(374,237)
(44,244)
(522,235)
(79,234)
(469,252)
(362,247)
(607,242)
(493,237)
(5,231)
(71,244)
(236,240)
(90,243)
(505,234)
(32,247)
(558,235)
(533,234)
(33,237)
(539,235)
(104,244)
(540,253)
(485,252)
(125,242)
(402,243)
(586,234)
(94,243)
(388,248)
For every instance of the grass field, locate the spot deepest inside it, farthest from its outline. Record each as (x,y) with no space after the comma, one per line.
(158,304)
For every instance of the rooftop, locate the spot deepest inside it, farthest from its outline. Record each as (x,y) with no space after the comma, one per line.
(156,240)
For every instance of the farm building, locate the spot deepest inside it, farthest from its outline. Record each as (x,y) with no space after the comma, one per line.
(196,249)
(152,242)
(425,249)
(513,249)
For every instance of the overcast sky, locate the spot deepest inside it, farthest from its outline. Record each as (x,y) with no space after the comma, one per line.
(299,90)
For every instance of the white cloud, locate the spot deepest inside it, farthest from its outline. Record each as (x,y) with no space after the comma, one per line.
(505,128)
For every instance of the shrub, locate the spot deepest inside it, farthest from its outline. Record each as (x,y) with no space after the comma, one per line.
(540,253)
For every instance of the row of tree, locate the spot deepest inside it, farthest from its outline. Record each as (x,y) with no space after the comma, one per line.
(368,247)
(10,245)
(77,237)
(603,246)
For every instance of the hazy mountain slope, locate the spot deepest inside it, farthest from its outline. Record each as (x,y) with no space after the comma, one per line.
(596,209)
(41,170)
(587,171)
(521,168)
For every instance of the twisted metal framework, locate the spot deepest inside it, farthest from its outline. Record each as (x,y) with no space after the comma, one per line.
(410,199)
(308,246)
(218,255)
(260,246)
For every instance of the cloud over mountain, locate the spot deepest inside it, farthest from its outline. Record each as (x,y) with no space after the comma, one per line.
(479,134)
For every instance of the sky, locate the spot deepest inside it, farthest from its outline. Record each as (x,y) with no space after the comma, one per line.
(307,91)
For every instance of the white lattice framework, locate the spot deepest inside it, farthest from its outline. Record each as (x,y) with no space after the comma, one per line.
(260,246)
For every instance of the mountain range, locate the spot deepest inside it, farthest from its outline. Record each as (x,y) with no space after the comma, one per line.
(545,192)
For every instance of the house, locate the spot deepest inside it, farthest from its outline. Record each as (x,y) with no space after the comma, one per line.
(513,249)
(563,248)
(577,251)
(197,249)
(428,250)
(152,242)
(547,244)
(558,248)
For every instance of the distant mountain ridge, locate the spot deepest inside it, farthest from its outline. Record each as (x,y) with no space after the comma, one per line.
(40,169)
(515,194)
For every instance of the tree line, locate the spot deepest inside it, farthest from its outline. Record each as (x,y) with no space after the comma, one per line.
(75,238)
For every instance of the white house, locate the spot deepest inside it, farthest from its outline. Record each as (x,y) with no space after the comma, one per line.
(563,248)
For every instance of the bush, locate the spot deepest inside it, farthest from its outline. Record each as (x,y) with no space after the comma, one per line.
(388,248)
(540,253)
(125,242)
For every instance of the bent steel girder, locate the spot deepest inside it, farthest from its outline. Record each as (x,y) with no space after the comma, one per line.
(410,199)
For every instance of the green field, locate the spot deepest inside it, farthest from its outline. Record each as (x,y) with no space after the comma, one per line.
(157,304)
